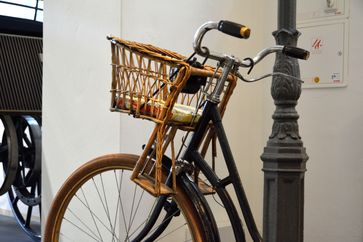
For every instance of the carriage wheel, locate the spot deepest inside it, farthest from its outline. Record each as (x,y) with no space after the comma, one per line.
(8,153)
(25,194)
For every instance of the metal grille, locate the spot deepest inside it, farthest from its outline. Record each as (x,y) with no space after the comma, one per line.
(20,74)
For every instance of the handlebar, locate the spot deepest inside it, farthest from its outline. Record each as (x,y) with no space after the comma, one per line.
(240,31)
(231,63)
(197,42)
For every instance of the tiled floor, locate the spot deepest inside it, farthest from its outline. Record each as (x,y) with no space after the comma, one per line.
(10,231)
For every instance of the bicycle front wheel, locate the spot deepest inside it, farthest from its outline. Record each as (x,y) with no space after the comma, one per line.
(99,202)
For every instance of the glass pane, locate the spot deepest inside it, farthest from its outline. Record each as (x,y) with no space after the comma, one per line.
(16,11)
(40,16)
(41,4)
(22,2)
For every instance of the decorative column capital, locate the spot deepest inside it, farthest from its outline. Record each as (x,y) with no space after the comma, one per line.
(286,36)
(284,90)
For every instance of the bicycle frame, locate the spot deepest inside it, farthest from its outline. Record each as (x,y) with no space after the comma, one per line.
(192,155)
(211,114)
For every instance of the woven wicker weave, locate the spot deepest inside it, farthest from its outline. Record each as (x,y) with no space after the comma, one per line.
(142,87)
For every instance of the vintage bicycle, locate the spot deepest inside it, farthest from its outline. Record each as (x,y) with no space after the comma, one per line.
(160,195)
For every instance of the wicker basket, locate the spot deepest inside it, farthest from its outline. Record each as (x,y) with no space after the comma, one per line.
(147,83)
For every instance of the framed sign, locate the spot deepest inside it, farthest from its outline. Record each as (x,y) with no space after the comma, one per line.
(312,10)
(328,46)
(324,27)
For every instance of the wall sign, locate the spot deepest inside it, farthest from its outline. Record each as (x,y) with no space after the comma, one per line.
(327,43)
(324,28)
(313,10)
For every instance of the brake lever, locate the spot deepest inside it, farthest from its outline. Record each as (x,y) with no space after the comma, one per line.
(239,75)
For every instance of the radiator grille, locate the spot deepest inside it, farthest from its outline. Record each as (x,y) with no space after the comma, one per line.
(20,73)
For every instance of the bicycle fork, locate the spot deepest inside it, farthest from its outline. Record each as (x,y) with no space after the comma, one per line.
(171,211)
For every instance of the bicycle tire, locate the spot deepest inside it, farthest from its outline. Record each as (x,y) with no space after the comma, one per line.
(124,162)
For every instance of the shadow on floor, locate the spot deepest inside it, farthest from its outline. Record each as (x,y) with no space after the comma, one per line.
(10,231)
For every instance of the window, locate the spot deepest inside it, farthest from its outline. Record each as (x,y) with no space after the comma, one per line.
(26,9)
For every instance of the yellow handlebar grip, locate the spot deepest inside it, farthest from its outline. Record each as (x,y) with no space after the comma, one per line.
(234,29)
(245,32)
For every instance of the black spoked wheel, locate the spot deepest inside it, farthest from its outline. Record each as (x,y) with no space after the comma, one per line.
(25,193)
(8,153)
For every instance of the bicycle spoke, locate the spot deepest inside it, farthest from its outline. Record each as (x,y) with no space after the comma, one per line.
(148,217)
(104,203)
(28,216)
(15,201)
(132,208)
(30,210)
(117,207)
(66,237)
(89,209)
(119,188)
(171,232)
(22,177)
(104,195)
(137,228)
(83,223)
(137,207)
(81,229)
(164,221)
(27,140)
(94,216)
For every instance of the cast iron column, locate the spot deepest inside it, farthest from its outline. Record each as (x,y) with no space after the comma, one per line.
(284,156)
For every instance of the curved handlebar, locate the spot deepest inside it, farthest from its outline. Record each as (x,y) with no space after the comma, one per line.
(239,31)
(227,27)
(197,42)
(231,63)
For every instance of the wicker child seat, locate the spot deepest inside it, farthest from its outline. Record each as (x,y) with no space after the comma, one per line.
(146,85)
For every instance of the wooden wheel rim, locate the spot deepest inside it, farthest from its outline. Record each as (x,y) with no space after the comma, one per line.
(98,165)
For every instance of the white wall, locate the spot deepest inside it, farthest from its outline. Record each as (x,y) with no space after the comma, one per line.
(77,125)
(332,128)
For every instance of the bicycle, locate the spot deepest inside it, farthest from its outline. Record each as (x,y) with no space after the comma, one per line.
(180,95)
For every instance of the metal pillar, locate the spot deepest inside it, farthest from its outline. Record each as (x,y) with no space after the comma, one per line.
(284,156)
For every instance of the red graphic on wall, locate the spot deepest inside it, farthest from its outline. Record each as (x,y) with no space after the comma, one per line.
(317,44)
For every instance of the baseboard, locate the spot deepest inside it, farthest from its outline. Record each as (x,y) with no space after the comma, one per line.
(9,213)
(6,212)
